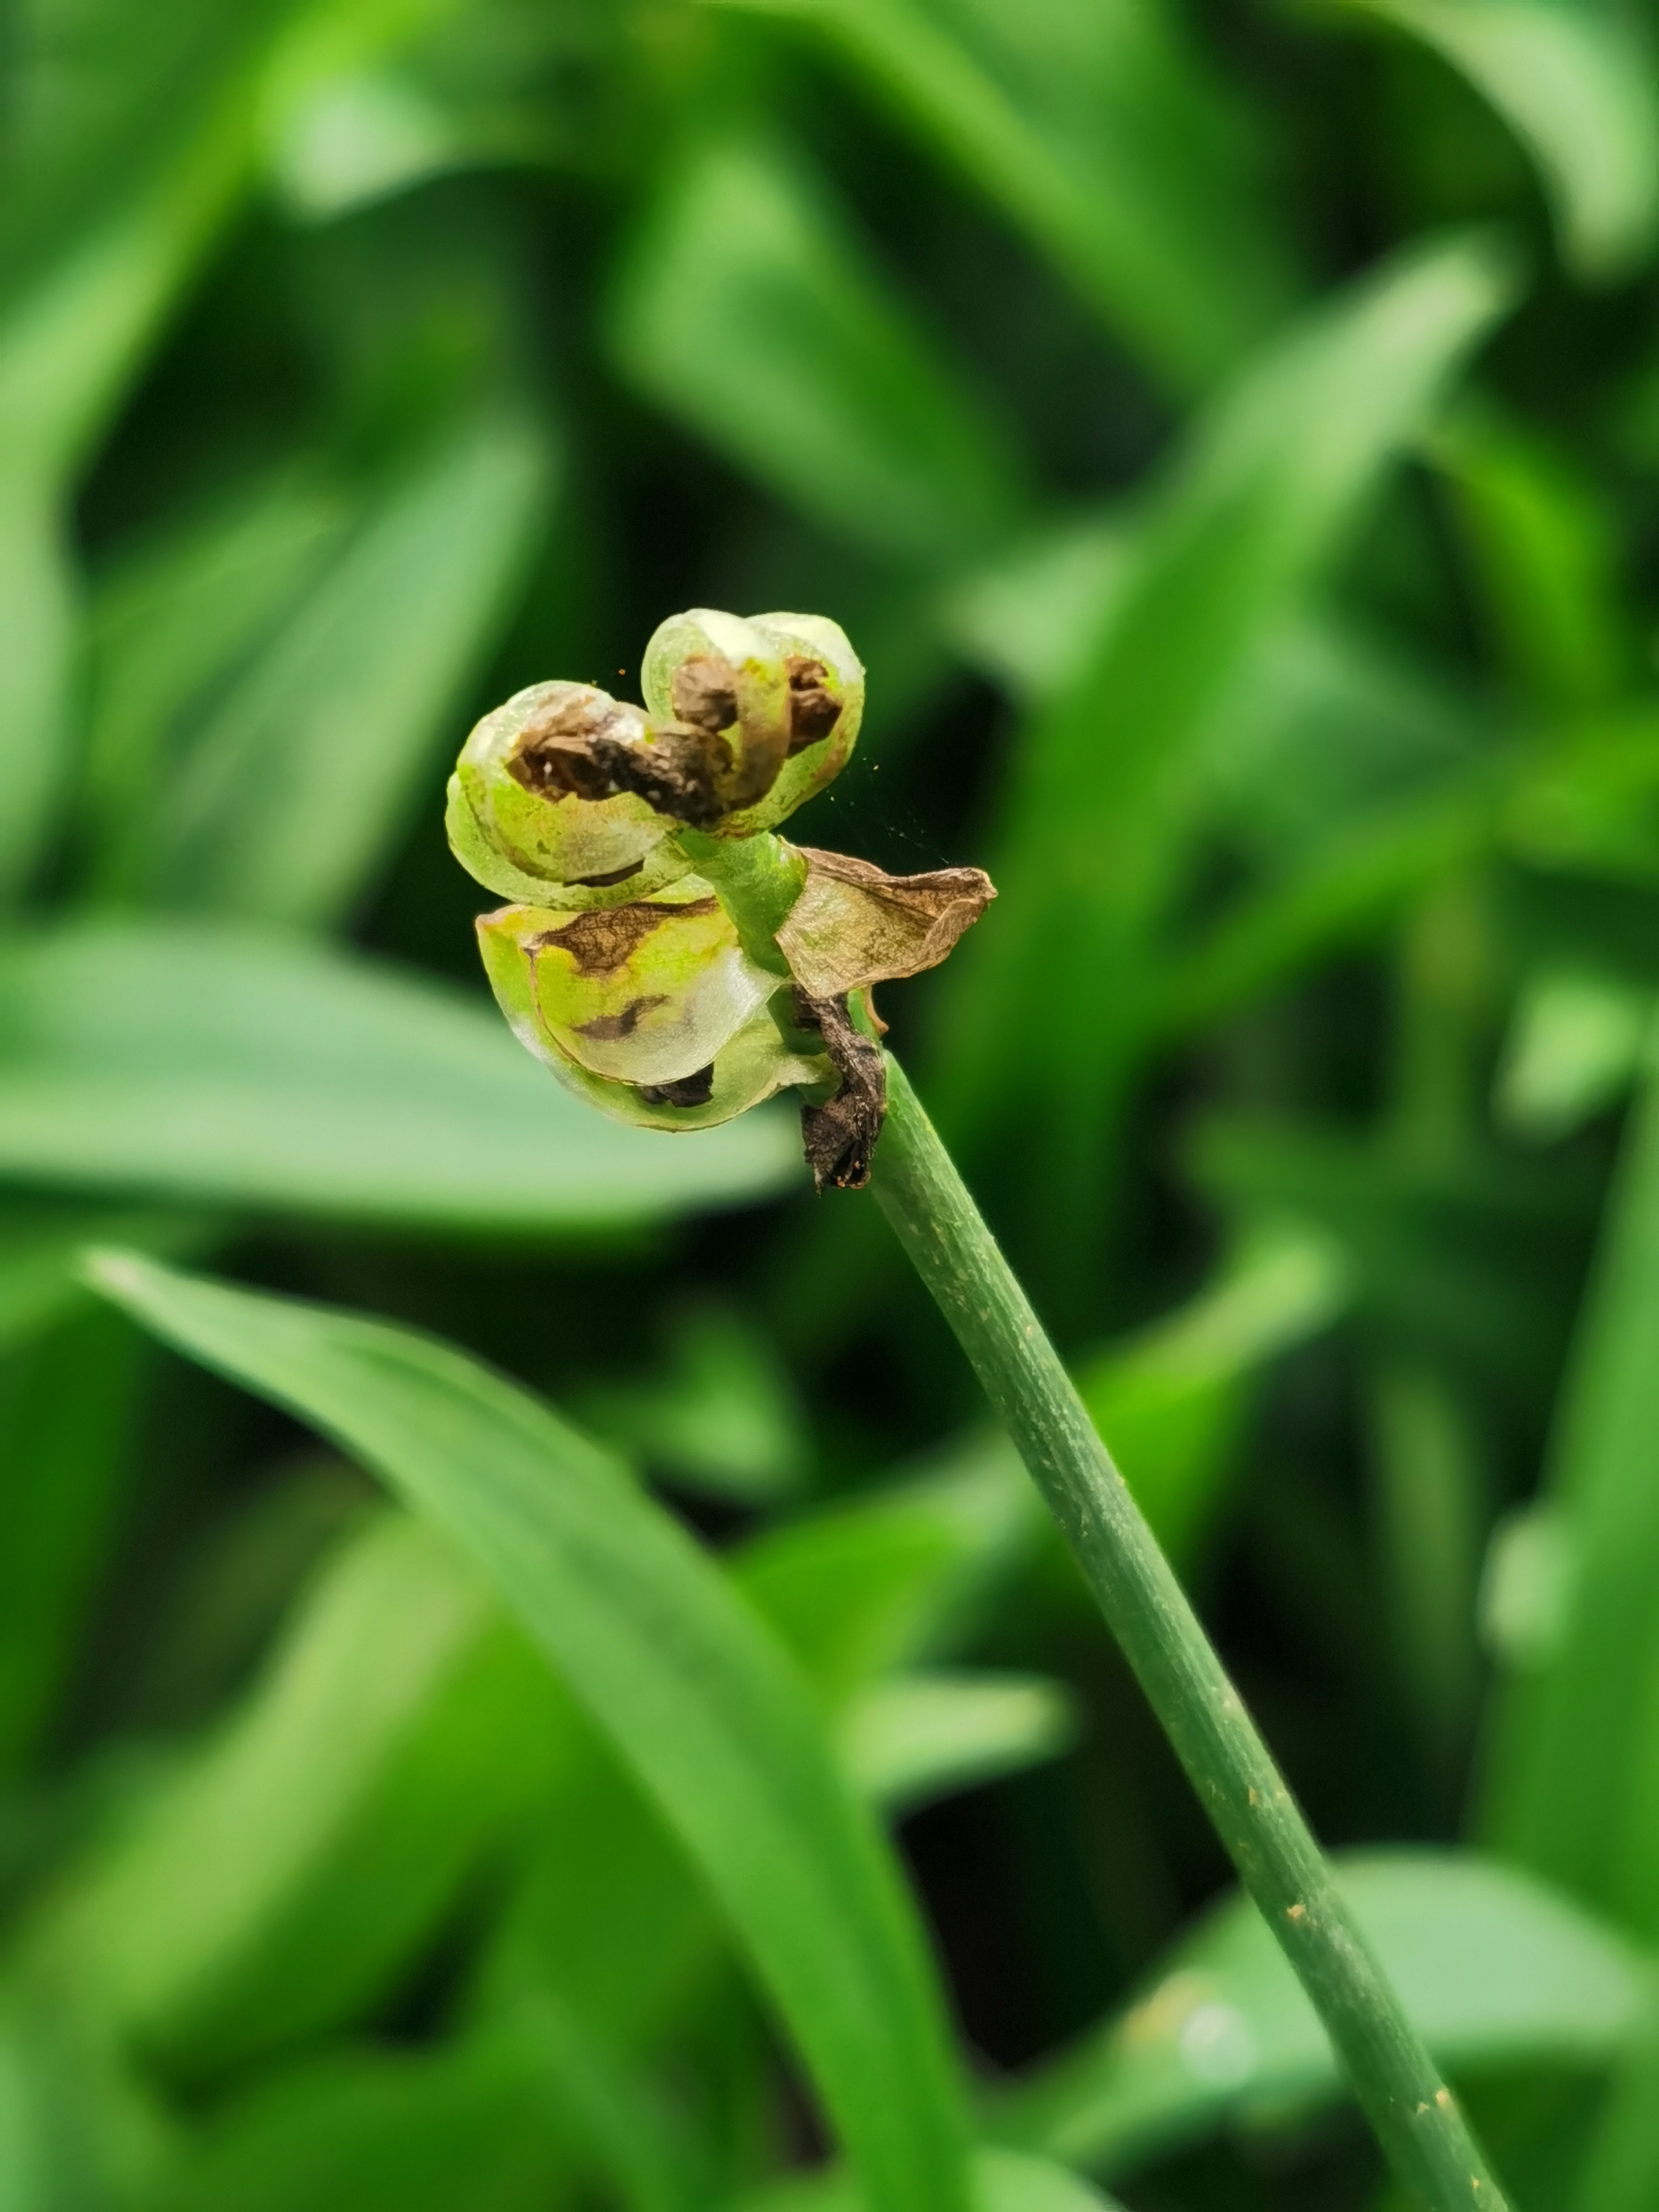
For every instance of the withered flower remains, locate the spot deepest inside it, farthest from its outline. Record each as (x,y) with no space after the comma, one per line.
(671,958)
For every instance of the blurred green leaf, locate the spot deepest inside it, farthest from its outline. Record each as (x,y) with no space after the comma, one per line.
(74,2135)
(914,1738)
(1621,2173)
(1345,894)
(302,773)
(1496,1970)
(749,309)
(1326,722)
(1574,80)
(1589,804)
(1094,830)
(41,1245)
(1006,2181)
(1170,1400)
(1527,1586)
(66,1412)
(1575,1045)
(1543,539)
(1029,616)
(289,1872)
(1430,1487)
(606,1918)
(1101,134)
(865,1586)
(721,1416)
(171,621)
(223,1067)
(651,1641)
(1573,1780)
(422,92)
(443,2129)
(127,145)
(1469,1256)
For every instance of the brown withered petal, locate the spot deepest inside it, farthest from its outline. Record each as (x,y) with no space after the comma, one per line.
(854,925)
(840,1136)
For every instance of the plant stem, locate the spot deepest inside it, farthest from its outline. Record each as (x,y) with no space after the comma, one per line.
(1280,1864)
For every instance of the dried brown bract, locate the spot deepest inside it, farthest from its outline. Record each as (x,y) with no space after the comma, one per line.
(853,925)
(840,1136)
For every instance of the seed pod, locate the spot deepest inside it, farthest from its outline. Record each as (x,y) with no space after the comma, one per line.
(533,807)
(651,1010)
(792,688)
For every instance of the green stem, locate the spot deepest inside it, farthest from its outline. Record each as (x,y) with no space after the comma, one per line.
(1280,1864)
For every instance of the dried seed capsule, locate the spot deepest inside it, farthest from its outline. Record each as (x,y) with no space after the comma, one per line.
(788,690)
(536,803)
(651,1010)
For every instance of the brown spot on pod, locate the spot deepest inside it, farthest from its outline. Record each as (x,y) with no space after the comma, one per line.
(814,710)
(704,693)
(693,1090)
(606,938)
(607,1029)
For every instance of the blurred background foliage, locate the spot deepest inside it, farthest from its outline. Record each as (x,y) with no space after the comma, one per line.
(1227,429)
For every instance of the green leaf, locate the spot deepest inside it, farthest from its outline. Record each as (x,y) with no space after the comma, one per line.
(1253,511)
(606,1917)
(1006,2180)
(914,1738)
(1544,538)
(168,625)
(419,2131)
(1170,1401)
(66,1414)
(1101,135)
(41,1245)
(870,1585)
(653,1644)
(1468,1257)
(721,1416)
(1496,1970)
(1574,80)
(301,777)
(111,200)
(749,309)
(1575,1045)
(224,1066)
(286,1874)
(1620,2173)
(1574,1783)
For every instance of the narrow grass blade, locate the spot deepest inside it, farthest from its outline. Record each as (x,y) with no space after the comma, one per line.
(66,1417)
(110,206)
(749,309)
(1574,80)
(1497,1971)
(1173,1399)
(917,1737)
(296,784)
(1574,1775)
(1105,142)
(651,1641)
(280,1882)
(224,1066)
(361,2130)
(1095,829)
